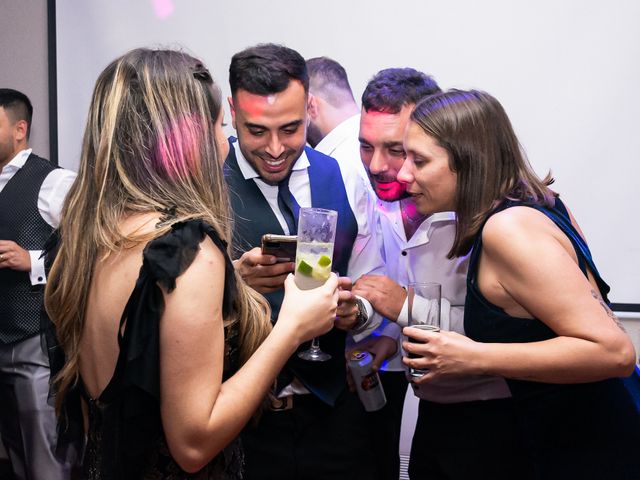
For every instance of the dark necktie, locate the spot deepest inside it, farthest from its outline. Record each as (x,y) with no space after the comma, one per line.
(289,209)
(288,206)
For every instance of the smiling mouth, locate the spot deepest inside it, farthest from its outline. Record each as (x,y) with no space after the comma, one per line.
(274,163)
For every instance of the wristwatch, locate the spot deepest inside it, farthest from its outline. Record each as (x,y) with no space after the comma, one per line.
(362,318)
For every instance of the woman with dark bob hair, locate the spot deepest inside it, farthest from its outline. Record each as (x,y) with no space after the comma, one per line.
(536,310)
(167,353)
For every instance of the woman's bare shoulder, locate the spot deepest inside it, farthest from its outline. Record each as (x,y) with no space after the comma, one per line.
(516,224)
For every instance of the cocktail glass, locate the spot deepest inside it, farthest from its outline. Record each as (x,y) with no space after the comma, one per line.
(314,254)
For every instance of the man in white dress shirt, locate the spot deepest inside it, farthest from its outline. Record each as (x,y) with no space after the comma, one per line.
(32,192)
(415,249)
(334,119)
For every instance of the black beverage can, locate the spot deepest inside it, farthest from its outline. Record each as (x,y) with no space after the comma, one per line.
(367,381)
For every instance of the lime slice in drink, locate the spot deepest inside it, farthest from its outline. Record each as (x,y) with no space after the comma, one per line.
(324,261)
(323,269)
(304,268)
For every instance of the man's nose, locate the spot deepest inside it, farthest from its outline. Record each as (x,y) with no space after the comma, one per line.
(378,163)
(275,148)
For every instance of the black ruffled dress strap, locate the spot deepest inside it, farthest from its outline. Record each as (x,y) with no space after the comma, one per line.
(164,260)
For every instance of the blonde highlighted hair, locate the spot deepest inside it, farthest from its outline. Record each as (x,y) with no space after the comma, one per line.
(149,146)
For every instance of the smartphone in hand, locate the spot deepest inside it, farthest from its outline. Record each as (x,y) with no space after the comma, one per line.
(283,247)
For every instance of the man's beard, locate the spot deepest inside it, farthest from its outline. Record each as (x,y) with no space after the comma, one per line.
(396,191)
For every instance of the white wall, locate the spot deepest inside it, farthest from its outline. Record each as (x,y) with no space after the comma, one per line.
(24,64)
(567,73)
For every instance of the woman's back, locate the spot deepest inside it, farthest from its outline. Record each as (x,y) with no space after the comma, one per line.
(121,365)
(114,278)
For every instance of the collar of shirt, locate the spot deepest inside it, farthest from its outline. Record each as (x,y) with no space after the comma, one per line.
(249,172)
(18,161)
(391,210)
(299,184)
(11,168)
(341,133)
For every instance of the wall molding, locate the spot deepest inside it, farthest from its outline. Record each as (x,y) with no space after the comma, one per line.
(53,81)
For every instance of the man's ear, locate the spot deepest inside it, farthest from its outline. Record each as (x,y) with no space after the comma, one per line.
(20,131)
(312,107)
(233,113)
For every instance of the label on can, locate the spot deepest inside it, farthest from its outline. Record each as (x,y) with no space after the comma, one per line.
(371,381)
(367,381)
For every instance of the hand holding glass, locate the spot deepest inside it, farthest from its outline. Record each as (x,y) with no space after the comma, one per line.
(424,313)
(314,254)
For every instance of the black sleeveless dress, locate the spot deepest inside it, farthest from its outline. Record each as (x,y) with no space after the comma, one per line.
(125,438)
(572,431)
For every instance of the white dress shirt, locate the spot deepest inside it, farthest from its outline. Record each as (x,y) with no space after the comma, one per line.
(365,255)
(50,200)
(423,258)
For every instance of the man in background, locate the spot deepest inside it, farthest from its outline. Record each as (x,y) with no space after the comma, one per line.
(334,117)
(334,123)
(32,192)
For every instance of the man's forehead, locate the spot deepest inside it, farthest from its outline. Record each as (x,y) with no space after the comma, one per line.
(256,105)
(251,103)
(384,123)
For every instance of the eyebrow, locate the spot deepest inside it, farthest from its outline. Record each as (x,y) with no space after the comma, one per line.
(392,144)
(295,123)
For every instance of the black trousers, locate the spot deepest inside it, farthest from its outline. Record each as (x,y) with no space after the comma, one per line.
(385,425)
(469,440)
(311,441)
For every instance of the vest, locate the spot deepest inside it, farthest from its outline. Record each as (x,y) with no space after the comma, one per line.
(253,217)
(21,304)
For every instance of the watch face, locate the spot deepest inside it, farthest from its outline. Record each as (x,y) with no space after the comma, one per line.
(361,317)
(361,311)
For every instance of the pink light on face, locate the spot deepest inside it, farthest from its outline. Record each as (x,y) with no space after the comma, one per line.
(163,8)
(389,191)
(254,105)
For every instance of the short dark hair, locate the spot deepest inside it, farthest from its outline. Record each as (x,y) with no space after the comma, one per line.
(329,78)
(18,105)
(267,68)
(392,88)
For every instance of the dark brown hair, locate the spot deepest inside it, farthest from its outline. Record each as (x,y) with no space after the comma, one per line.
(392,88)
(329,79)
(485,154)
(266,69)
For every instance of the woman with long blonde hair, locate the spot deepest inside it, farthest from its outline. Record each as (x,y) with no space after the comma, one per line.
(165,348)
